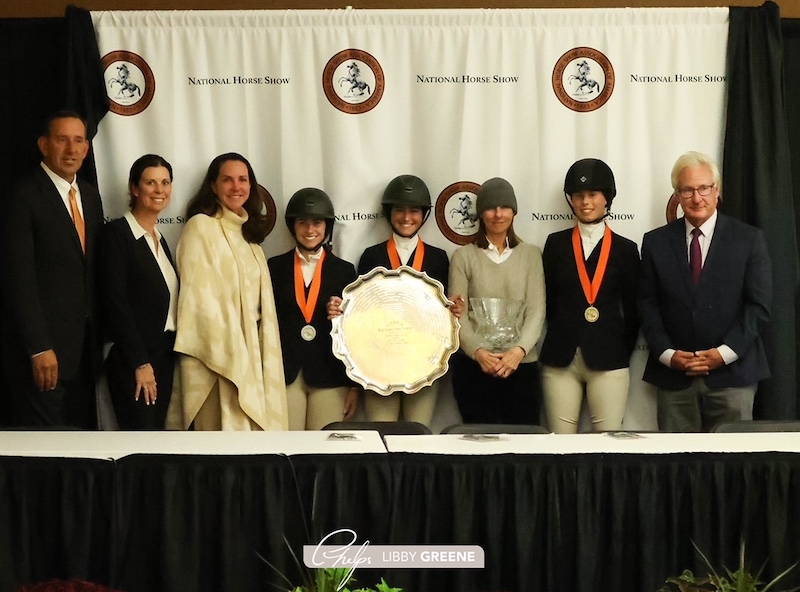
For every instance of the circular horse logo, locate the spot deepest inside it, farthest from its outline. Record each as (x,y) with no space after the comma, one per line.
(271,209)
(583,79)
(456,215)
(353,81)
(130,84)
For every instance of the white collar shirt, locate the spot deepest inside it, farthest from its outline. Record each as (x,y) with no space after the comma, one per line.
(707,228)
(591,235)
(494,254)
(405,246)
(62,186)
(167,271)
(308,264)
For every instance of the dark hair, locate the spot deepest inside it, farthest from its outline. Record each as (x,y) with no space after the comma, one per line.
(138,167)
(61,114)
(206,201)
(483,242)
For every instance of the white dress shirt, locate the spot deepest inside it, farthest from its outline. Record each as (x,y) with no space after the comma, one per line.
(308,264)
(62,186)
(405,246)
(167,271)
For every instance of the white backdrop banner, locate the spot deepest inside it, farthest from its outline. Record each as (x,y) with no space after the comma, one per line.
(345,100)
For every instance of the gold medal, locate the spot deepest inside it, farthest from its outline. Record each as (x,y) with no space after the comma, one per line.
(591,287)
(308,333)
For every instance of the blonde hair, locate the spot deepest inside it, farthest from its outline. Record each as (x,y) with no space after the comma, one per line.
(693,159)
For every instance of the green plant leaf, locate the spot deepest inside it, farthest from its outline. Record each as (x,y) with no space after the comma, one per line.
(740,580)
(384,587)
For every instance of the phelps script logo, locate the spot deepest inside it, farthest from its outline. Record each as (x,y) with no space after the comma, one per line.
(341,549)
(130,83)
(456,215)
(353,81)
(583,79)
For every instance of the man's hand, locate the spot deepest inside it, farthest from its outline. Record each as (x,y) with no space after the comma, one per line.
(698,363)
(705,361)
(45,370)
(680,360)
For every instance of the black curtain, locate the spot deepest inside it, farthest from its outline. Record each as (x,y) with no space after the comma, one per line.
(55,520)
(757,184)
(546,522)
(34,76)
(46,64)
(595,523)
(85,88)
(791,72)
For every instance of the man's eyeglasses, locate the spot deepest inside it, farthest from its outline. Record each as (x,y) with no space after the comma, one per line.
(703,190)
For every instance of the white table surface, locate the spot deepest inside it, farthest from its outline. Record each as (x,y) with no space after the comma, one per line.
(597,443)
(107,445)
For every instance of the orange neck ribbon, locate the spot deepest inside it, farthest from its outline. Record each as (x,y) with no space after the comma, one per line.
(419,254)
(307,306)
(590,289)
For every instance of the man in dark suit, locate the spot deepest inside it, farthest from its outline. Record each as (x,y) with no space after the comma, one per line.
(48,236)
(705,296)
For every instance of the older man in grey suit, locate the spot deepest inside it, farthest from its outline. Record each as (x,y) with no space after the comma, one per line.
(48,237)
(705,296)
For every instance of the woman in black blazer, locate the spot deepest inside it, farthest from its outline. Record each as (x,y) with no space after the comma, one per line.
(591,278)
(318,391)
(138,290)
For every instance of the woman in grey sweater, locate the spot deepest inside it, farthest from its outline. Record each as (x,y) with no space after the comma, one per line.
(498,386)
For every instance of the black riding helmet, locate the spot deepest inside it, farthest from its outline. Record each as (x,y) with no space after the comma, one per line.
(312,203)
(590,174)
(409,191)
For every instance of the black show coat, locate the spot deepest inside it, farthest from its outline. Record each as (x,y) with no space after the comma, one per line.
(320,367)
(434,263)
(606,344)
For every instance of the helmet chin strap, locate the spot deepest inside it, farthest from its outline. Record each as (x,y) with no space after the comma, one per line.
(600,219)
(424,219)
(400,234)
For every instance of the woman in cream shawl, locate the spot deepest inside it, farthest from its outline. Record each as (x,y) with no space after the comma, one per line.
(231,368)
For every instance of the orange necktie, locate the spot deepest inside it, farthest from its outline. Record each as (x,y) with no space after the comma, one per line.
(80,225)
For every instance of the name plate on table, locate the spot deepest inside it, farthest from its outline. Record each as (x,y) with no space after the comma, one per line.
(395,332)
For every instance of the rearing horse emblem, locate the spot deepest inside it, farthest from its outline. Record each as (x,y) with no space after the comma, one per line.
(587,84)
(357,86)
(465,211)
(126,88)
